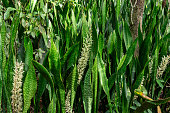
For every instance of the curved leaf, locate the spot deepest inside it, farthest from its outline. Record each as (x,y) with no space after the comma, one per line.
(44,72)
(42,82)
(7,13)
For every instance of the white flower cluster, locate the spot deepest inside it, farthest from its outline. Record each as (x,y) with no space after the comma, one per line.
(85,54)
(16,97)
(67,103)
(150,65)
(82,63)
(163,65)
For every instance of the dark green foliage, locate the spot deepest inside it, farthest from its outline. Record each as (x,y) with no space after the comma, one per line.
(49,37)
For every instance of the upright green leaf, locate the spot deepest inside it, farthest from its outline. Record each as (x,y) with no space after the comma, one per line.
(103,18)
(100,44)
(95,82)
(28,55)
(6,95)
(155,66)
(13,31)
(29,88)
(0,69)
(117,9)
(110,44)
(74,23)
(87,92)
(125,102)
(127,35)
(103,79)
(3,35)
(139,78)
(2,58)
(73,85)
(0,73)
(53,103)
(33,3)
(54,65)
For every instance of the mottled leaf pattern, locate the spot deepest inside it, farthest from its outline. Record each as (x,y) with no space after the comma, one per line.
(29,88)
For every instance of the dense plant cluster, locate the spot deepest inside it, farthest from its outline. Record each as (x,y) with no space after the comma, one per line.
(87,56)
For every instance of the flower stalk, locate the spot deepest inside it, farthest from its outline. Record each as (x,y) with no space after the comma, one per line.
(161,68)
(17,99)
(85,54)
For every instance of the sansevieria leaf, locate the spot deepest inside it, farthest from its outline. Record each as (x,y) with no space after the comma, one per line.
(44,72)
(73,85)
(3,36)
(13,32)
(95,82)
(103,18)
(118,8)
(0,68)
(52,106)
(127,58)
(74,24)
(30,83)
(103,78)
(2,56)
(42,82)
(30,87)
(54,66)
(68,53)
(87,92)
(139,78)
(28,55)
(127,35)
